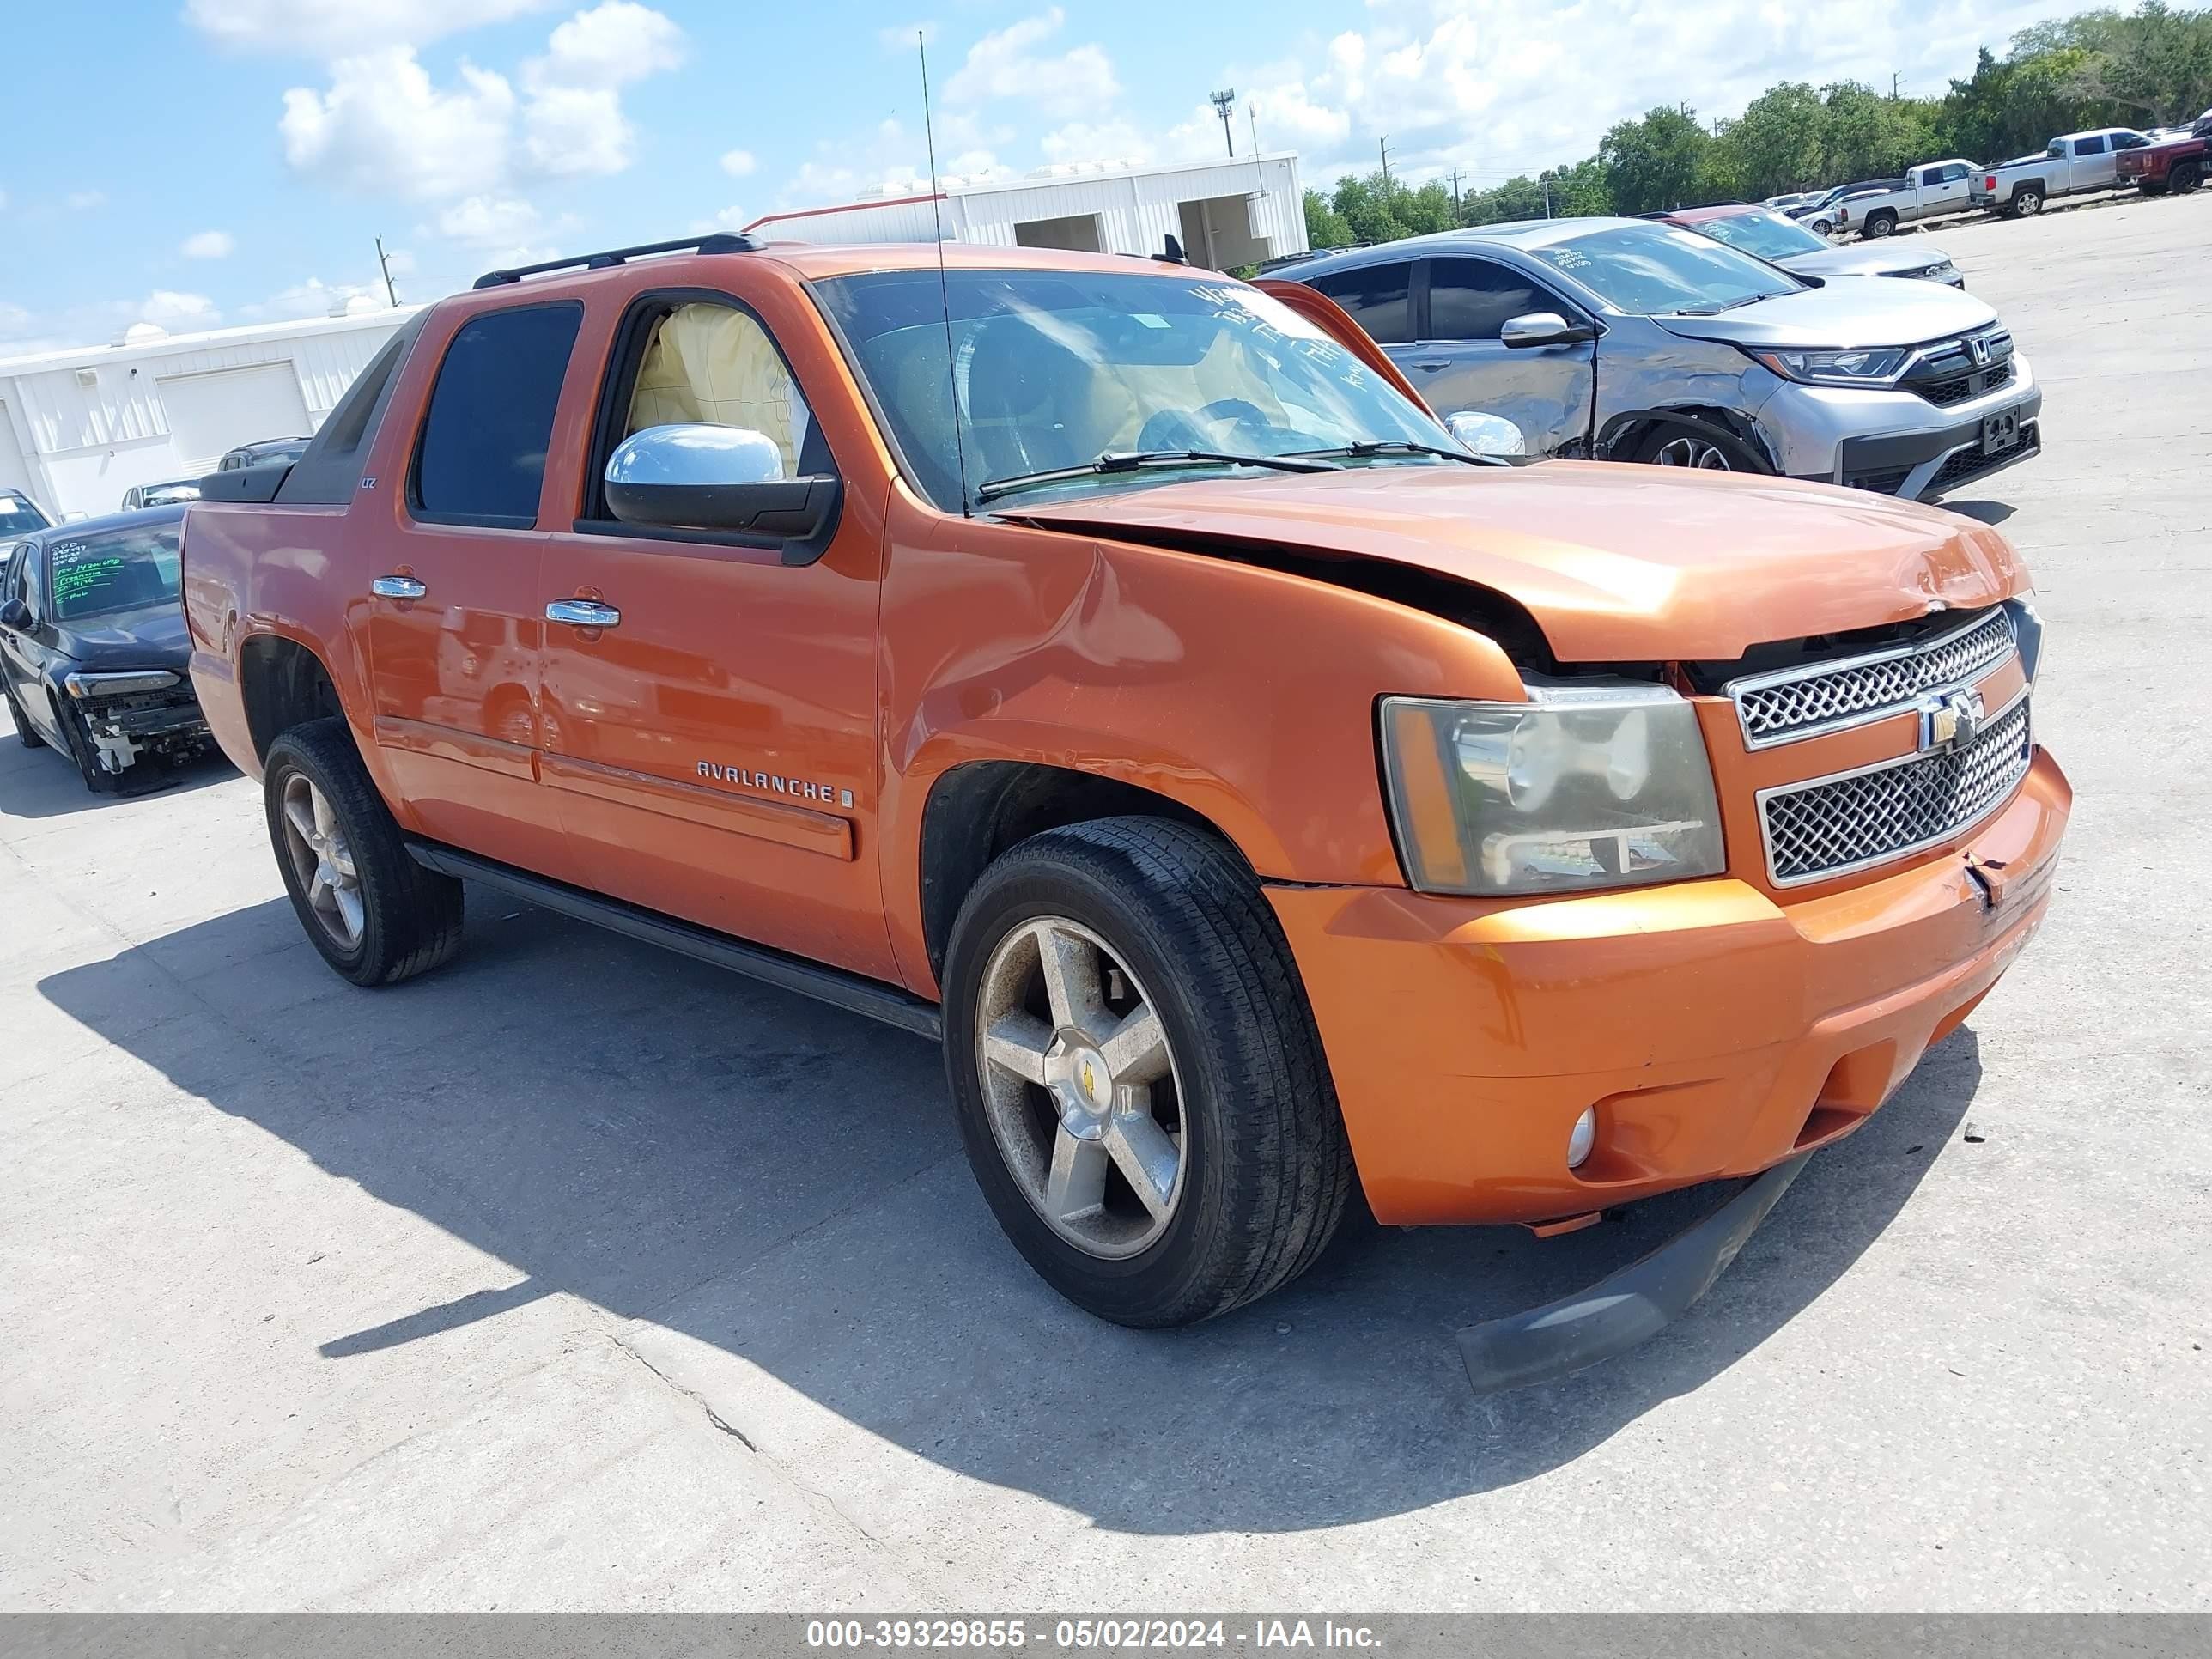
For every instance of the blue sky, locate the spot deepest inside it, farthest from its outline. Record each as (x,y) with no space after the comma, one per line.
(206,162)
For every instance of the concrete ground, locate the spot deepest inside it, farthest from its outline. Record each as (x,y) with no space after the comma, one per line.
(578,1276)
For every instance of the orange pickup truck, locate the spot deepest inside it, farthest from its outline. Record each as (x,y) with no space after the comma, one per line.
(1115,671)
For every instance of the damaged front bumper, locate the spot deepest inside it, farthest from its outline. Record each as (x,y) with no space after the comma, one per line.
(129,716)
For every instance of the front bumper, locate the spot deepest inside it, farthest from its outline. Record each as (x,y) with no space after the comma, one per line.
(124,729)
(1717,1031)
(1895,442)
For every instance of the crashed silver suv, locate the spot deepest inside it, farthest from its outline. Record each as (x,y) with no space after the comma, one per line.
(1629,340)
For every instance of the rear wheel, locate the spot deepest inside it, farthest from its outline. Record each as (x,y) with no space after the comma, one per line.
(1137,1075)
(1883,223)
(2026,201)
(2184,177)
(376,915)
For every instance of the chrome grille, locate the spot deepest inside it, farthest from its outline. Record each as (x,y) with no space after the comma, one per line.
(1800,702)
(1833,825)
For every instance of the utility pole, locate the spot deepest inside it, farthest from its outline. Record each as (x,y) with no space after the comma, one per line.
(1548,193)
(1383,145)
(1455,211)
(1892,85)
(1223,101)
(384,264)
(1252,115)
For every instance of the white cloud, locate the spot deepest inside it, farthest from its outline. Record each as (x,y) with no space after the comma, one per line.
(1101,140)
(488,221)
(342,29)
(1008,65)
(208,244)
(383,129)
(83,201)
(172,310)
(612,44)
(313,298)
(739,163)
(383,126)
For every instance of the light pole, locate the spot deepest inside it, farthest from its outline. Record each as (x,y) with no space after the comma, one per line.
(1223,101)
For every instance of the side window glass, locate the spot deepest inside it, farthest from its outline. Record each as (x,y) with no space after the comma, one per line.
(2057,148)
(1379,298)
(2091,146)
(715,364)
(1474,299)
(2129,141)
(481,455)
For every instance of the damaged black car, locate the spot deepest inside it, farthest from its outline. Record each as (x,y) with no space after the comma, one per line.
(92,651)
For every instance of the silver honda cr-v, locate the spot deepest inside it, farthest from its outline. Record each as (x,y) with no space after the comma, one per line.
(1624,339)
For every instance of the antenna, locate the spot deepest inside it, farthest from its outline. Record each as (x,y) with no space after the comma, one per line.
(944,288)
(1223,101)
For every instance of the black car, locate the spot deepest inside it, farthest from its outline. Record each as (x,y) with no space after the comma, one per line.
(266,449)
(93,653)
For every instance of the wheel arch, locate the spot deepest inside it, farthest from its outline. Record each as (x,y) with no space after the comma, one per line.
(977,810)
(1729,428)
(282,683)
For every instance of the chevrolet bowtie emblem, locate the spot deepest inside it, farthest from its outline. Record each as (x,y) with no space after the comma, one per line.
(1950,719)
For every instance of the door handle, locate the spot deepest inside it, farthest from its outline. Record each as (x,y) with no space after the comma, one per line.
(397,587)
(582,613)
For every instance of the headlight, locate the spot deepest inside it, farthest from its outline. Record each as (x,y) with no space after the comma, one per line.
(1875,367)
(117,685)
(1936,273)
(1583,787)
(2027,635)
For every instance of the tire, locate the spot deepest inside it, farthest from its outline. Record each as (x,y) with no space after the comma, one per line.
(24,734)
(2026,201)
(402,920)
(2184,177)
(1878,225)
(1261,1169)
(86,754)
(1674,445)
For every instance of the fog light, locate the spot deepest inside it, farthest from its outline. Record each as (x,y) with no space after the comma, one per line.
(1582,1138)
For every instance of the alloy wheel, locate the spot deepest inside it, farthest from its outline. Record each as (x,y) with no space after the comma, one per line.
(1692,453)
(316,842)
(1080,1087)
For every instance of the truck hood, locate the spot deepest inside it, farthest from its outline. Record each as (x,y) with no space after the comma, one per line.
(1616,563)
(1865,259)
(1844,312)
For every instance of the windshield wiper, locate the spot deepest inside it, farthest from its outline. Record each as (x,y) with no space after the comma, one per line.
(1132,460)
(1729,304)
(1367,447)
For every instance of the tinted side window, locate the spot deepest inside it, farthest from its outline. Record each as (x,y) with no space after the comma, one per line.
(1474,299)
(2090,146)
(1379,298)
(481,455)
(2129,141)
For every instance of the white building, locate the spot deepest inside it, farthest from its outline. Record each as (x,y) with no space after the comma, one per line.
(1225,213)
(79,427)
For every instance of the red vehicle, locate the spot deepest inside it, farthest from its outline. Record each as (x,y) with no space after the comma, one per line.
(2176,164)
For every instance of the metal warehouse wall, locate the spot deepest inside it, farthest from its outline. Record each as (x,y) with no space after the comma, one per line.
(1137,207)
(80,446)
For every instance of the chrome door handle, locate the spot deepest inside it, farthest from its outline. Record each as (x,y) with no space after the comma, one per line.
(582,613)
(397,587)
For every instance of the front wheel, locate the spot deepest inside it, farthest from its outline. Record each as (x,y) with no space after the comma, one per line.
(1699,450)
(24,734)
(376,915)
(1138,1078)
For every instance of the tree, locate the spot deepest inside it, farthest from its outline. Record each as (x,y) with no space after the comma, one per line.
(1325,226)
(1654,163)
(1370,210)
(1779,143)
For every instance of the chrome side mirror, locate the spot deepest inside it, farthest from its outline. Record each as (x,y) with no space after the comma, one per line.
(693,475)
(1543,328)
(1487,434)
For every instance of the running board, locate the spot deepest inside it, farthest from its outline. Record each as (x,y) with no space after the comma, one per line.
(854,993)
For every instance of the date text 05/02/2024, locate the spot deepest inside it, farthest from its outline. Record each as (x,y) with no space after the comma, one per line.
(1113,1635)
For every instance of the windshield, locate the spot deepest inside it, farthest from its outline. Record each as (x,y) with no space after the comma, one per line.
(1053,368)
(1768,235)
(1655,269)
(17,515)
(111,570)
(170,494)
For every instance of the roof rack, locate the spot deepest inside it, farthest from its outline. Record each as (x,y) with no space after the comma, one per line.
(720,242)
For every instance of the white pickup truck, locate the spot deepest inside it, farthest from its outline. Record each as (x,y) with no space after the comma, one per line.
(2071,164)
(1931,191)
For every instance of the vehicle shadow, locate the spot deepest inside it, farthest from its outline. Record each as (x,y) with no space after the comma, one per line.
(1989,513)
(42,783)
(781,1181)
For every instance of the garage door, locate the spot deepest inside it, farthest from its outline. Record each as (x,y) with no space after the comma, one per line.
(210,413)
